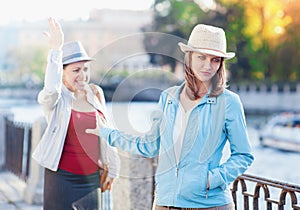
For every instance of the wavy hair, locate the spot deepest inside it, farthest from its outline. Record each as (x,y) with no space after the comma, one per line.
(218,80)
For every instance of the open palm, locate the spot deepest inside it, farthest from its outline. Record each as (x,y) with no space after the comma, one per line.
(100,123)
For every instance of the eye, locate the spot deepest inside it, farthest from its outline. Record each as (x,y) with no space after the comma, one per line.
(76,70)
(217,60)
(202,57)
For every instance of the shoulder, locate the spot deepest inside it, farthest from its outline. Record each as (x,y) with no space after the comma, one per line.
(232,101)
(172,91)
(230,96)
(96,88)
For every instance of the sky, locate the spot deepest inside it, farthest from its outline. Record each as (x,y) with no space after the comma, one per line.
(33,10)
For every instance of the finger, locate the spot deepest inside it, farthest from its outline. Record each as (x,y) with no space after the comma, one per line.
(56,24)
(51,24)
(105,185)
(50,21)
(46,33)
(109,186)
(90,131)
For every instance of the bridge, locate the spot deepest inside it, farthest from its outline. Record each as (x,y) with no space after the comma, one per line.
(261,99)
(255,98)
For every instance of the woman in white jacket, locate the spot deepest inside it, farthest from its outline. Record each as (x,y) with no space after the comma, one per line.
(70,103)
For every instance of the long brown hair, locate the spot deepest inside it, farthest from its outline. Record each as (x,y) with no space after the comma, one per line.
(218,80)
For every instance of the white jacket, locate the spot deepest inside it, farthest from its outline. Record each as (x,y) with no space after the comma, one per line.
(55,100)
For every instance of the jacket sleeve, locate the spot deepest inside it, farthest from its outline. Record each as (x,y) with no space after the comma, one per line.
(51,91)
(109,156)
(113,160)
(236,133)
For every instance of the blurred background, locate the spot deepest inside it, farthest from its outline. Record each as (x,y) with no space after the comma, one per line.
(264,34)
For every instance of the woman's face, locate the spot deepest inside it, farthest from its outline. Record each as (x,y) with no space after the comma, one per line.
(76,75)
(205,66)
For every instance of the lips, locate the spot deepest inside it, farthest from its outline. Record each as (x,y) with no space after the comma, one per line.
(80,84)
(206,73)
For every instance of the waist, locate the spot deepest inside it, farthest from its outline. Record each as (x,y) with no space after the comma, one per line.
(78,164)
(225,207)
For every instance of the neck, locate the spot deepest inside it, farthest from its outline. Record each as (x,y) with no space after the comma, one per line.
(79,93)
(201,89)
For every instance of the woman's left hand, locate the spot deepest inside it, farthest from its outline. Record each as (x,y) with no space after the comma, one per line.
(107,183)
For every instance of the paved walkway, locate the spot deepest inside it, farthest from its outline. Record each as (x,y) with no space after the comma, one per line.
(11,193)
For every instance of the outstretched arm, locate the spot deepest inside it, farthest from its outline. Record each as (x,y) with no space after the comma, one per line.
(146,145)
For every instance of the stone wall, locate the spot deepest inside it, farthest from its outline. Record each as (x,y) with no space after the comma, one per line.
(134,188)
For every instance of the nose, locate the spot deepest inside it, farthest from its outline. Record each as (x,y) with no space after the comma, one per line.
(207,64)
(82,75)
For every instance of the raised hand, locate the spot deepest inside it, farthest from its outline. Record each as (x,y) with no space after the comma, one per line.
(55,34)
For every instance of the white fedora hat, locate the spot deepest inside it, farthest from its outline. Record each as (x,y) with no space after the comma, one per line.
(74,52)
(209,40)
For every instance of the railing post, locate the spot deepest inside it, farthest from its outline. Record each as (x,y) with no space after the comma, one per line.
(33,193)
(3,116)
(298,88)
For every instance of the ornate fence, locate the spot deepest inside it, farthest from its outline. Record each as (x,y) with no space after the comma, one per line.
(274,194)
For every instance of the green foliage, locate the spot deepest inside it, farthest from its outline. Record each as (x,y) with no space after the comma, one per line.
(264,34)
(174,17)
(27,64)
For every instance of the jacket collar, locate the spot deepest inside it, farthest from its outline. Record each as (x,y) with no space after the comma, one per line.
(67,92)
(91,98)
(205,99)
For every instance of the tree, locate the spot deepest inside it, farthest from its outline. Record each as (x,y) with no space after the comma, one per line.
(264,34)
(261,26)
(30,64)
(174,17)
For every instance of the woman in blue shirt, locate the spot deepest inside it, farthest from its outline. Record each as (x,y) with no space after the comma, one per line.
(189,132)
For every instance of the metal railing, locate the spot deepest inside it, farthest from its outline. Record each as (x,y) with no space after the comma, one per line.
(268,200)
(17,148)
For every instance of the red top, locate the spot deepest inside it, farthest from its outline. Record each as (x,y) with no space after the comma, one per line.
(81,150)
